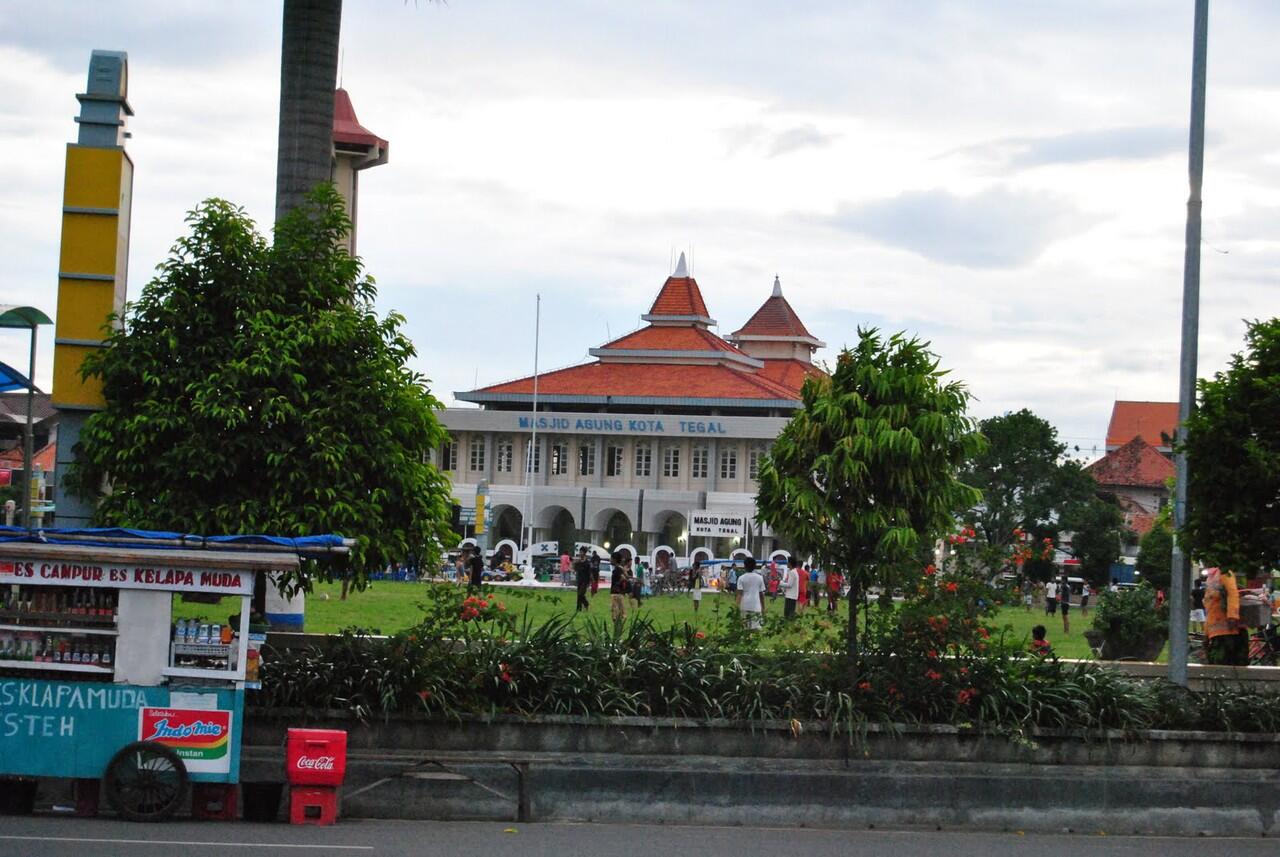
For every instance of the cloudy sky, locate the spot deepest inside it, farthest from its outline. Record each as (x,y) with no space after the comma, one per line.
(1004,179)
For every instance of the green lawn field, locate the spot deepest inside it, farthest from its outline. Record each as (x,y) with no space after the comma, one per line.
(387,607)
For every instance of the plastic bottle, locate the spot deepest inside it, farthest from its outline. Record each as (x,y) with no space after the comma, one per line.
(180,631)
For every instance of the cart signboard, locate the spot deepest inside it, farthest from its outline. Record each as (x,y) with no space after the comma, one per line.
(72,729)
(201,738)
(154,576)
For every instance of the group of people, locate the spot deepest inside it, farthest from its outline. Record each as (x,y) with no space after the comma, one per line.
(1056,597)
(624,583)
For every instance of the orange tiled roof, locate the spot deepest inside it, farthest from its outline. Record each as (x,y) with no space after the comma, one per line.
(790,373)
(671,339)
(655,380)
(11,459)
(679,296)
(1136,464)
(774,318)
(1147,420)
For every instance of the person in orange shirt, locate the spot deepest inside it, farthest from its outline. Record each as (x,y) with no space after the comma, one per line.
(1227,641)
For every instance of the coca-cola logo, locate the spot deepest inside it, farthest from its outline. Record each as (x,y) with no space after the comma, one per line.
(319,763)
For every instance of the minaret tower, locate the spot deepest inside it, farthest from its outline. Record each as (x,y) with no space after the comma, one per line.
(355,148)
(93,263)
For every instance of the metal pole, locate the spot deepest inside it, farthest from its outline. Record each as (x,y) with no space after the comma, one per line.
(1179,596)
(533,438)
(28,453)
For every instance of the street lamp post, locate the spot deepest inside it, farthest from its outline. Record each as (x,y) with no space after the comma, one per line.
(1179,596)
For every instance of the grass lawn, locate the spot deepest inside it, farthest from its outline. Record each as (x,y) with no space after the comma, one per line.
(388,606)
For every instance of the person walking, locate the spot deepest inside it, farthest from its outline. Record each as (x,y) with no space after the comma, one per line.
(791,588)
(802,600)
(637,583)
(475,565)
(1051,598)
(835,582)
(1064,603)
(695,584)
(1227,642)
(1028,595)
(814,581)
(582,573)
(595,572)
(1085,592)
(751,595)
(619,587)
(1197,606)
(731,579)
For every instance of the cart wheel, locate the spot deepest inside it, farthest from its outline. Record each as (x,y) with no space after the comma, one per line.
(145,781)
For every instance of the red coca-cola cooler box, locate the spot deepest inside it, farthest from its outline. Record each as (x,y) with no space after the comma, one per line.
(316,757)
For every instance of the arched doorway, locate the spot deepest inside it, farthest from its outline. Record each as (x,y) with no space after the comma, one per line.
(556,524)
(616,531)
(703,554)
(507,524)
(672,529)
(780,556)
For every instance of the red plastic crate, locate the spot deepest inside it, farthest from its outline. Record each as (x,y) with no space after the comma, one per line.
(316,757)
(313,805)
(213,801)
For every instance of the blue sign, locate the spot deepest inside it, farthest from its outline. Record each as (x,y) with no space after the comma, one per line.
(72,728)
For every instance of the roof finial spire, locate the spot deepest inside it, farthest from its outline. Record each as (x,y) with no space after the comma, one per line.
(777,286)
(681,269)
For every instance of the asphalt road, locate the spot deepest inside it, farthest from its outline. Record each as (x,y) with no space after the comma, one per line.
(71,837)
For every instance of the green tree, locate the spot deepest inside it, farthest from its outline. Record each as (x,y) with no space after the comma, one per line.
(1155,551)
(1096,527)
(254,389)
(866,470)
(1025,483)
(1233,453)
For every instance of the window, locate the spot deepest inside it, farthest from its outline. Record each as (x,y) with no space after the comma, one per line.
(449,454)
(644,459)
(753,463)
(504,457)
(477,453)
(613,461)
(559,458)
(729,464)
(699,468)
(532,457)
(587,459)
(671,462)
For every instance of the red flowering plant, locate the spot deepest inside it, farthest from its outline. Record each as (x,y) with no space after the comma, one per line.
(935,645)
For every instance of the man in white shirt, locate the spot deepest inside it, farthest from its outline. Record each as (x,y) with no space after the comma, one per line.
(791,587)
(751,595)
(1051,598)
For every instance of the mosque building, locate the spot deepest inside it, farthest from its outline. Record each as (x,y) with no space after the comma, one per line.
(654,446)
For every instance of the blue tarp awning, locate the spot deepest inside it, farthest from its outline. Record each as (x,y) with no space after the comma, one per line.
(116,536)
(11,379)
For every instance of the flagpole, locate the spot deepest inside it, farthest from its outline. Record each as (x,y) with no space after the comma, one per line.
(530,482)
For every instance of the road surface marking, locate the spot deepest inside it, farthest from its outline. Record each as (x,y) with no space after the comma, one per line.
(181,842)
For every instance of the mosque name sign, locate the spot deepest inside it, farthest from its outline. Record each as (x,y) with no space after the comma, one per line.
(716,525)
(625,425)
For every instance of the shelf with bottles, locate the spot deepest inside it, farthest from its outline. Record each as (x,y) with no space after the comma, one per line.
(203,646)
(56,649)
(32,606)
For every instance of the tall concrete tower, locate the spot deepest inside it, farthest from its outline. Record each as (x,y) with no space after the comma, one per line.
(355,148)
(93,263)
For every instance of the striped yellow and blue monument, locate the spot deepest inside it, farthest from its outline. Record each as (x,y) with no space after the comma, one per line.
(94,258)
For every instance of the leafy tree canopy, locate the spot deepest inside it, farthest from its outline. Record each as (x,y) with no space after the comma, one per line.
(1096,527)
(1025,483)
(1233,453)
(866,470)
(253,389)
(1155,551)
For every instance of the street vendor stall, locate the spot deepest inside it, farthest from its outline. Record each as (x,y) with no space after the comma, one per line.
(103,677)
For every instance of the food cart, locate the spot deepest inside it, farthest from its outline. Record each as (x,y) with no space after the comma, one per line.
(101,675)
